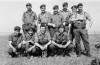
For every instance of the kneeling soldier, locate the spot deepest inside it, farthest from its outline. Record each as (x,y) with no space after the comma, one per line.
(43,39)
(14,40)
(60,40)
(27,45)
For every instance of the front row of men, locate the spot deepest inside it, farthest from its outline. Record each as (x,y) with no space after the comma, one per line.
(34,43)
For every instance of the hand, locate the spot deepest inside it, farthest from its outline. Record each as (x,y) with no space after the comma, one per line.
(29,49)
(14,50)
(19,46)
(64,23)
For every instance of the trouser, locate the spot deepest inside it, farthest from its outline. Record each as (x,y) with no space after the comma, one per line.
(55,50)
(14,54)
(52,50)
(71,35)
(81,34)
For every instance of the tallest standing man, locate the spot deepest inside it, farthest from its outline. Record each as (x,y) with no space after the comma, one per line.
(80,30)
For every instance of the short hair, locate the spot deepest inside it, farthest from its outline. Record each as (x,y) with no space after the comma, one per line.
(43,5)
(80,4)
(43,25)
(65,4)
(28,4)
(17,28)
(74,6)
(55,7)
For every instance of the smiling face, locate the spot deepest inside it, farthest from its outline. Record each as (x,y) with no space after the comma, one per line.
(43,9)
(42,29)
(28,7)
(65,7)
(74,9)
(80,8)
(17,32)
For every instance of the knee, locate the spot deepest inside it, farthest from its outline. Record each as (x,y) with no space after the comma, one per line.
(33,50)
(10,51)
(51,46)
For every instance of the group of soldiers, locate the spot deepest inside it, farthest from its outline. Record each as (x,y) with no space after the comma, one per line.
(51,34)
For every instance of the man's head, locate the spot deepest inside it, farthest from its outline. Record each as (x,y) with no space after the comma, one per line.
(32,30)
(43,8)
(17,30)
(80,7)
(61,28)
(56,9)
(43,28)
(74,8)
(65,5)
(28,6)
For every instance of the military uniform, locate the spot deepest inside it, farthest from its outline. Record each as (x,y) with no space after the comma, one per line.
(73,18)
(66,15)
(16,39)
(42,39)
(58,20)
(29,18)
(44,17)
(26,46)
(81,32)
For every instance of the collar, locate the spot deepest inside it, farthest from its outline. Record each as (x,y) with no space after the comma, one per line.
(57,13)
(43,13)
(29,11)
(65,10)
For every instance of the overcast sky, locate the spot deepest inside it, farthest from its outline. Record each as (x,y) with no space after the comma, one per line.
(11,11)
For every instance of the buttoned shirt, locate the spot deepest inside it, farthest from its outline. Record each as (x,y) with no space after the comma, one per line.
(44,17)
(29,17)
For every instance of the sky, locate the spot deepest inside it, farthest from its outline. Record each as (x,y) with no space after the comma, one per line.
(11,12)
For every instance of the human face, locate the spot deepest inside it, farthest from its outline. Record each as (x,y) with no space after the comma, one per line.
(74,9)
(80,8)
(61,30)
(56,10)
(17,32)
(28,7)
(43,9)
(42,29)
(65,7)
(30,32)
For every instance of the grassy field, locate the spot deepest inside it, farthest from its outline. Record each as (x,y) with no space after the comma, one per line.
(73,60)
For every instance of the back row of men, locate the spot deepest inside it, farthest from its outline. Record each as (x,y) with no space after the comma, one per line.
(56,33)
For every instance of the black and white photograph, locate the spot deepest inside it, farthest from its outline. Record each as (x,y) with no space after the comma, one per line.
(49,32)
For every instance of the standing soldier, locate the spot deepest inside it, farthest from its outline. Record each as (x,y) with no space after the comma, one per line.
(14,40)
(71,21)
(81,32)
(66,15)
(57,20)
(44,17)
(29,18)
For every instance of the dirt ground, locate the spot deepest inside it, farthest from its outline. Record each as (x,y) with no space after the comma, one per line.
(73,60)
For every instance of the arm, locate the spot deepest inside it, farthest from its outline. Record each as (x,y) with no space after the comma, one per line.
(35,18)
(39,20)
(23,18)
(89,18)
